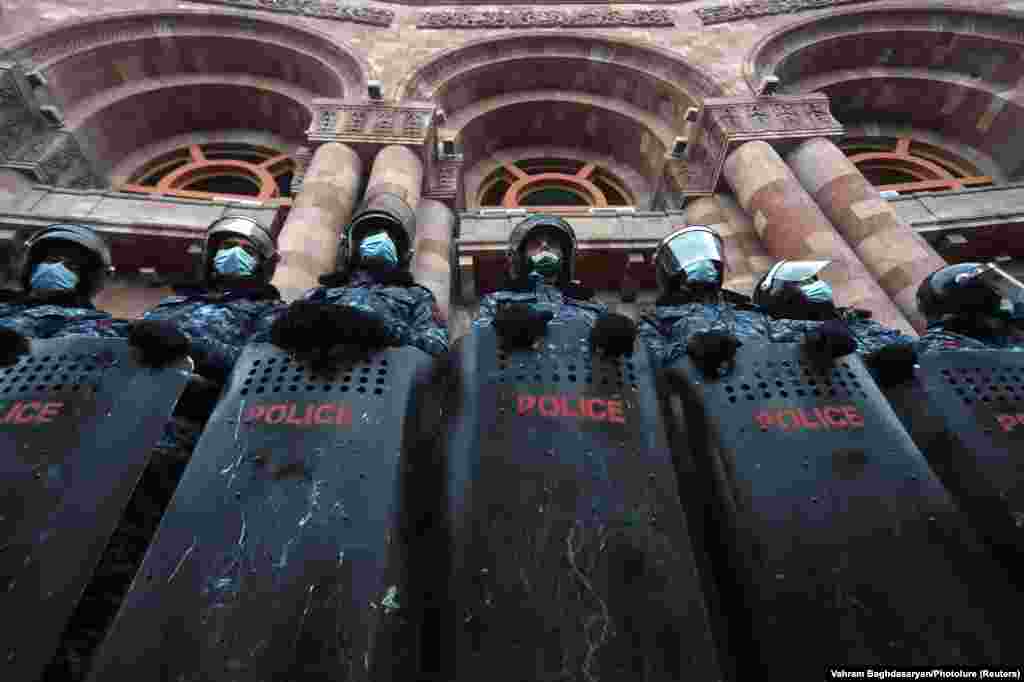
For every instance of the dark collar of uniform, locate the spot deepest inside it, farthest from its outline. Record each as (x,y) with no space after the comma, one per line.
(685,296)
(254,290)
(66,299)
(396,278)
(574,290)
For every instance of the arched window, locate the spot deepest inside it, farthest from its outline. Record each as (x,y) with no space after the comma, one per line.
(216,170)
(906,165)
(552,185)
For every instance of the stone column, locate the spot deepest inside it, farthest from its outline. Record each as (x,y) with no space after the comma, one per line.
(791,225)
(396,170)
(745,255)
(893,252)
(432,266)
(308,242)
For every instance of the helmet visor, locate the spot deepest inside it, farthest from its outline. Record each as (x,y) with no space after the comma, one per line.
(795,271)
(689,246)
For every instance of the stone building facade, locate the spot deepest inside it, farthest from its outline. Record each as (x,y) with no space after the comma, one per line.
(779,121)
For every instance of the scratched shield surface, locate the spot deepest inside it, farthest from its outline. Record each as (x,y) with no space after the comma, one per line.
(571,557)
(841,545)
(965,410)
(78,418)
(282,554)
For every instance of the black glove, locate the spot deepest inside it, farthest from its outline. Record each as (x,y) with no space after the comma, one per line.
(198,399)
(159,341)
(12,346)
(893,364)
(829,341)
(711,349)
(306,326)
(614,333)
(519,325)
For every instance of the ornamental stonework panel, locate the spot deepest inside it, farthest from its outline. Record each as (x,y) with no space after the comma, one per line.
(735,11)
(725,123)
(531,17)
(383,124)
(339,11)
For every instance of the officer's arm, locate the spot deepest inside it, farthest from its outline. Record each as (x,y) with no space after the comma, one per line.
(213,359)
(488,309)
(426,328)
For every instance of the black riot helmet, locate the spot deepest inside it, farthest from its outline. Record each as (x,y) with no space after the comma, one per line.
(95,255)
(792,289)
(534,226)
(966,290)
(682,254)
(233,226)
(383,211)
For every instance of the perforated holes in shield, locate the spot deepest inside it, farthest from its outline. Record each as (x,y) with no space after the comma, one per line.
(285,375)
(565,368)
(67,372)
(793,378)
(1004,385)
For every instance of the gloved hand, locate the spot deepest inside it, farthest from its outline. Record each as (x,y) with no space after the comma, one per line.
(159,341)
(199,398)
(306,326)
(519,325)
(710,350)
(829,341)
(614,333)
(893,364)
(12,346)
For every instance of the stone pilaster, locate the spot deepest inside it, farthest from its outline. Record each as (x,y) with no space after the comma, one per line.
(432,266)
(745,256)
(308,241)
(791,225)
(898,257)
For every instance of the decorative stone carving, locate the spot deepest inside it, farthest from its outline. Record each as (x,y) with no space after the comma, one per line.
(734,11)
(360,14)
(530,17)
(726,123)
(54,157)
(380,124)
(442,179)
(302,156)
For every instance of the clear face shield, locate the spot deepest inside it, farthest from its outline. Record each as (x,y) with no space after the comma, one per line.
(693,251)
(1009,289)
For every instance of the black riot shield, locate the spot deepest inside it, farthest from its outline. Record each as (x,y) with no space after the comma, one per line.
(283,555)
(965,410)
(78,418)
(838,545)
(571,556)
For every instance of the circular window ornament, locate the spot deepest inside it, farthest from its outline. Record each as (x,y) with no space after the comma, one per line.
(552,185)
(216,171)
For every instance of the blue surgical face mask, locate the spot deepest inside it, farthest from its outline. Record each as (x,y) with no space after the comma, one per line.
(701,272)
(817,292)
(547,263)
(234,261)
(379,248)
(53,277)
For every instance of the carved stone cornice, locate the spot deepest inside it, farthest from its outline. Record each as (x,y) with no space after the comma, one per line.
(726,123)
(532,17)
(54,157)
(370,123)
(360,14)
(759,8)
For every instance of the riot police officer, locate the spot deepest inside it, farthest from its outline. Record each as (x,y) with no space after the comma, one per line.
(693,314)
(211,320)
(371,298)
(540,289)
(63,267)
(971,306)
(800,305)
